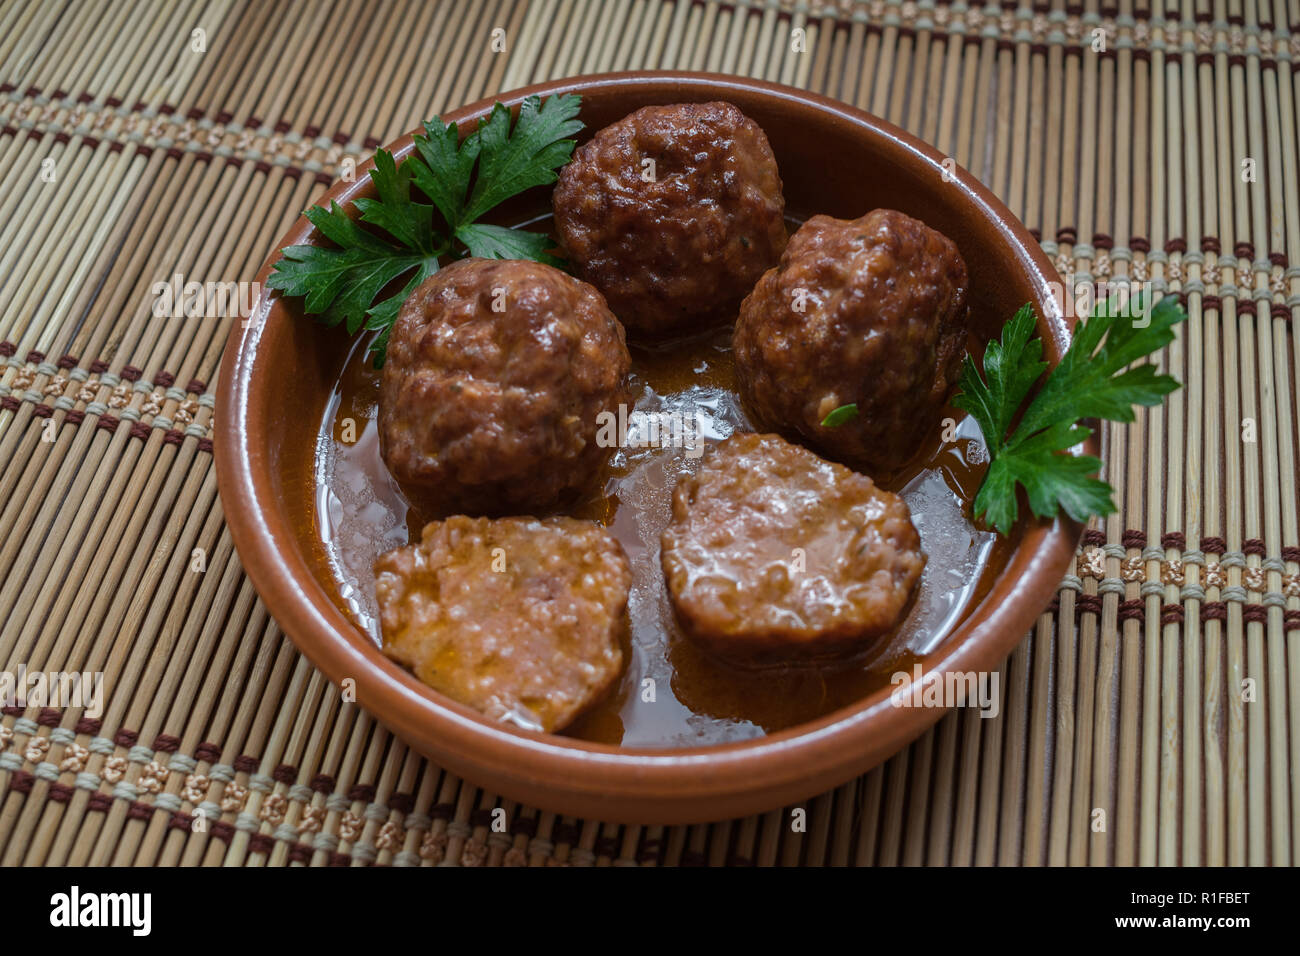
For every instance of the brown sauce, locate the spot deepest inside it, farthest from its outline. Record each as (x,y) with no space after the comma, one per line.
(672,694)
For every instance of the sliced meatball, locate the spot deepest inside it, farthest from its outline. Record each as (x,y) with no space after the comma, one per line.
(773,554)
(673,213)
(498,372)
(869,312)
(519,618)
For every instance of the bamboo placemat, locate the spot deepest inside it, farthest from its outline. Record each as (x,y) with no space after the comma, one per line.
(1153,714)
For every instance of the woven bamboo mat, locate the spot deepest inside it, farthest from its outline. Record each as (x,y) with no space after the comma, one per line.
(1153,714)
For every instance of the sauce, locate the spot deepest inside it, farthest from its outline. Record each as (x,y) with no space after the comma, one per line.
(671,694)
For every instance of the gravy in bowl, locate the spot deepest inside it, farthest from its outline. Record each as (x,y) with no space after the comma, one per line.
(671,693)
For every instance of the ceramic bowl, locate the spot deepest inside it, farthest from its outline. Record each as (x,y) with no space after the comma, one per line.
(278,371)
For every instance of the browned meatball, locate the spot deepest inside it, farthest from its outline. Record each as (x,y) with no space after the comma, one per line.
(519,618)
(687,246)
(773,554)
(869,312)
(496,374)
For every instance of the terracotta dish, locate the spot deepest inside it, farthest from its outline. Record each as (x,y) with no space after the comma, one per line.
(281,369)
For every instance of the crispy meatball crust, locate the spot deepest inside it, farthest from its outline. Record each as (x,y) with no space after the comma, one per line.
(883,326)
(775,555)
(518,618)
(686,248)
(495,411)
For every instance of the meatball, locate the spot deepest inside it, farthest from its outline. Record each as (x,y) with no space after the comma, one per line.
(870,312)
(673,213)
(497,373)
(773,554)
(519,618)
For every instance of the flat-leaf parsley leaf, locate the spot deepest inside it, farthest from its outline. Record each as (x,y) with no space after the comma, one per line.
(1093,380)
(463,181)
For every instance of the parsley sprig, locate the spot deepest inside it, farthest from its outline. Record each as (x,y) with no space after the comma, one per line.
(463,181)
(1096,378)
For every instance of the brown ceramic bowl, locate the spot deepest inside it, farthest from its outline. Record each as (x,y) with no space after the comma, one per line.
(278,373)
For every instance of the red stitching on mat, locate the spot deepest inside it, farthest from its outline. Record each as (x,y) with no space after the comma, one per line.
(207,752)
(222,831)
(1087,604)
(260,843)
(1214,611)
(361,793)
(1132,610)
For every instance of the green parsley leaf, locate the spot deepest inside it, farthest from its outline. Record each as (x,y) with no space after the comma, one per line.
(1011,366)
(341,282)
(511,161)
(1093,380)
(445,166)
(839,416)
(498,242)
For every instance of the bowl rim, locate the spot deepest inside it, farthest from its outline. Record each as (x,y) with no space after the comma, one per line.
(828,747)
